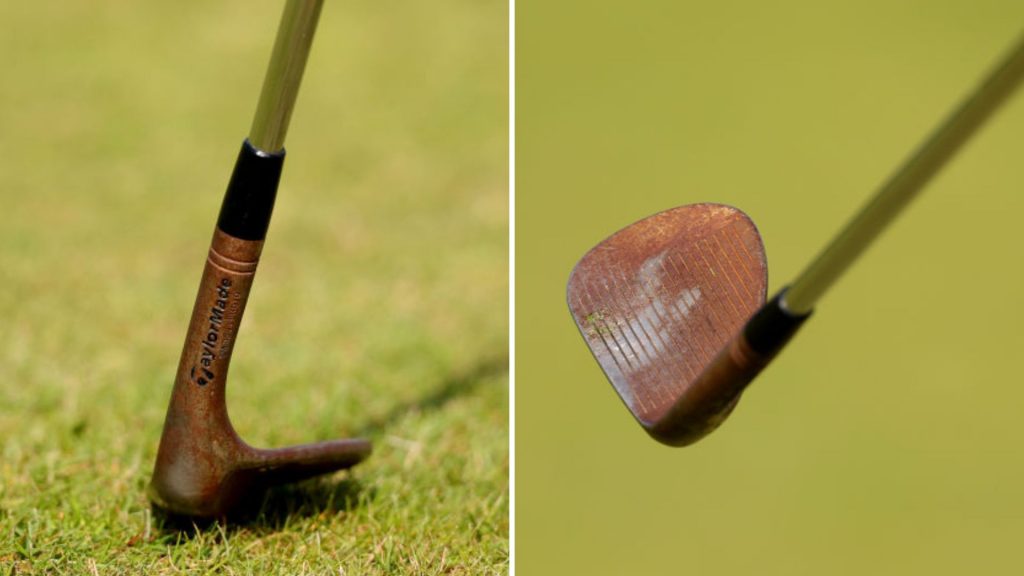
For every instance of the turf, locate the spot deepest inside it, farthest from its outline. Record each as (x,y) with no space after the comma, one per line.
(380,308)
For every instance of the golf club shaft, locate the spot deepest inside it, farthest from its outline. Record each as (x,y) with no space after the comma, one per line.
(904,184)
(284,74)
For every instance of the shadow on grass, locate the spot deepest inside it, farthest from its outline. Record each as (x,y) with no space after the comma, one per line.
(274,508)
(271,509)
(456,385)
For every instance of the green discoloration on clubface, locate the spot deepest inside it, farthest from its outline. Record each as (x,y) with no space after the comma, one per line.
(597,323)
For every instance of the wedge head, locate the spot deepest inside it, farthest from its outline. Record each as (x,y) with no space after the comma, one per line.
(660,302)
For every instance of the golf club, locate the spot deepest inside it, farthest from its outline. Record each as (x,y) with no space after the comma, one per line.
(673,306)
(203,468)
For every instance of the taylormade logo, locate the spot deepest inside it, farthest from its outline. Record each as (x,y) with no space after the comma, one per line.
(203,374)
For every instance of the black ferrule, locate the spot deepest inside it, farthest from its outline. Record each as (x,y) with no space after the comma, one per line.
(249,200)
(772,326)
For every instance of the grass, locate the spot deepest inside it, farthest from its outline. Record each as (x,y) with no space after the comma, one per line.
(380,308)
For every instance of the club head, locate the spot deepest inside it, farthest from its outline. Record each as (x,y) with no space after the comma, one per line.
(662,304)
(204,469)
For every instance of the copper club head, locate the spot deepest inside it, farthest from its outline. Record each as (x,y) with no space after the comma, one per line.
(662,304)
(203,469)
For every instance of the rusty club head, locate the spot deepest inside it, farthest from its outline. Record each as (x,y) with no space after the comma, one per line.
(673,308)
(203,468)
(666,307)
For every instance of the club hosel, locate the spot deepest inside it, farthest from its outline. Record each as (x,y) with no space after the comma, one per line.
(710,398)
(231,266)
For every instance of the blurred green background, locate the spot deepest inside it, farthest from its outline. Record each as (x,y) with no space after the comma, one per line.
(887,438)
(380,307)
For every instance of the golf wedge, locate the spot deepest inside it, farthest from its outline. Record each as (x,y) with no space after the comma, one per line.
(673,307)
(203,468)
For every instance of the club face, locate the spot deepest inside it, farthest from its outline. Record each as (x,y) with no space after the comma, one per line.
(658,300)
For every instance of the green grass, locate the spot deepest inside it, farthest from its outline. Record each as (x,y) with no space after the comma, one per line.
(380,307)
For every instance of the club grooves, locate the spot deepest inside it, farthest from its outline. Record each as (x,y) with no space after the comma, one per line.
(658,300)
